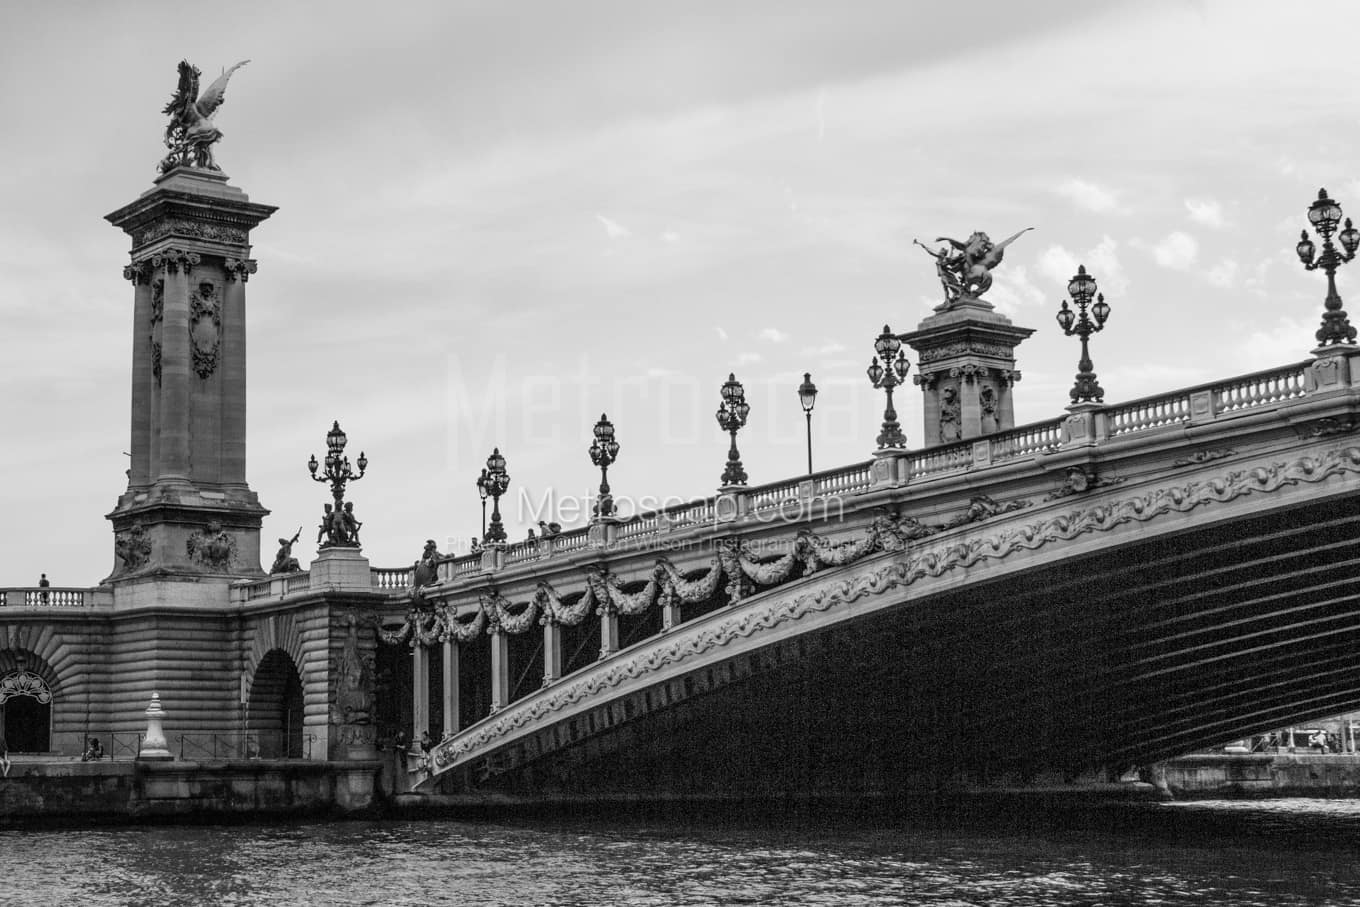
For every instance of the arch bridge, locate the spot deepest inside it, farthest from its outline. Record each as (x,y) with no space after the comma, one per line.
(1102,590)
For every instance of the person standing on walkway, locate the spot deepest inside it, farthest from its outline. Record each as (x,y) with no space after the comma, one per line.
(4,756)
(43,586)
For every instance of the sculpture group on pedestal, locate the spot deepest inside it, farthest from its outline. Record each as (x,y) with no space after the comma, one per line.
(966,273)
(191,132)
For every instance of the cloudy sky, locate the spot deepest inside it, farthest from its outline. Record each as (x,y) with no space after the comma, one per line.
(497,220)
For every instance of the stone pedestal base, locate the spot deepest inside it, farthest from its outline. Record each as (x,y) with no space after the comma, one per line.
(341,568)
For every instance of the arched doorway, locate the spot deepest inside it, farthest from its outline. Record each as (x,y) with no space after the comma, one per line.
(26,712)
(274,713)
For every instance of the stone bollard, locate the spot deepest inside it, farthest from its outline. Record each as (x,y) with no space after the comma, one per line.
(153,744)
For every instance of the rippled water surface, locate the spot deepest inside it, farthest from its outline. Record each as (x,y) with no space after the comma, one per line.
(1275,853)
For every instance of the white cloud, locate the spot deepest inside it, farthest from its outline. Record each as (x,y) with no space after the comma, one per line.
(722,335)
(773,335)
(1177,251)
(1205,211)
(826,349)
(1223,274)
(670,236)
(1089,196)
(1014,290)
(748,358)
(1289,341)
(1101,261)
(613,229)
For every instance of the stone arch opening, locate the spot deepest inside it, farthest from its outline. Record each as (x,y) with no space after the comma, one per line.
(25,711)
(274,712)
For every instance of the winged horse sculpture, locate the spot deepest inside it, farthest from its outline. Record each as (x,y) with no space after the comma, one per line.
(191,132)
(967,273)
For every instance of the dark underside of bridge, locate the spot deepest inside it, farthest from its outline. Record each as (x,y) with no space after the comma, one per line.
(1106,661)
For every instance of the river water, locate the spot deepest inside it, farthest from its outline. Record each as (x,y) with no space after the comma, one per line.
(1279,852)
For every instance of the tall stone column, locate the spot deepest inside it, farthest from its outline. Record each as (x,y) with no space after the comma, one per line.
(609,632)
(552,652)
(234,371)
(966,370)
(451,716)
(500,669)
(188,515)
(139,470)
(173,266)
(420,692)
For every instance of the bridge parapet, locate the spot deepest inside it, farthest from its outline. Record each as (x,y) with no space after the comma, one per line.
(53,598)
(1090,425)
(392,580)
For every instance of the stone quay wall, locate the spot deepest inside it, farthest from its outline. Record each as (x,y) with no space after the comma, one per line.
(93,791)
(1212,776)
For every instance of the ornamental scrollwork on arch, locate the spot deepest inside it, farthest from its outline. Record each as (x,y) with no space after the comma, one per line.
(24,683)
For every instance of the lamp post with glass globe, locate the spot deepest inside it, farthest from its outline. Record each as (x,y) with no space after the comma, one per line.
(497,480)
(604,450)
(889,375)
(1082,288)
(732,413)
(807,396)
(1324,214)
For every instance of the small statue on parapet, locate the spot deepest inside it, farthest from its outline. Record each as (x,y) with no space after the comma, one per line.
(191,133)
(284,562)
(967,272)
(425,570)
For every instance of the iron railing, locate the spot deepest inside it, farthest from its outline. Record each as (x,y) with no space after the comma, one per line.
(244,745)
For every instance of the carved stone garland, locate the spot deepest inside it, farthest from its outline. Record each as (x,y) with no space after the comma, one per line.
(157,320)
(205,316)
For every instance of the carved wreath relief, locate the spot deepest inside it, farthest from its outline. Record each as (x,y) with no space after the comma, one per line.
(205,329)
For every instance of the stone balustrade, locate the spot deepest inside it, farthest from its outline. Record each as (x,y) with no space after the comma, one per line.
(55,597)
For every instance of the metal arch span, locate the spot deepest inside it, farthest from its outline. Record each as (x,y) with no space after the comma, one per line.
(1022,642)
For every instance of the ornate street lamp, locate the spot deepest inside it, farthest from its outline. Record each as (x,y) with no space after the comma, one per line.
(497,480)
(339,528)
(807,396)
(484,491)
(888,376)
(1082,288)
(1324,214)
(732,413)
(604,450)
